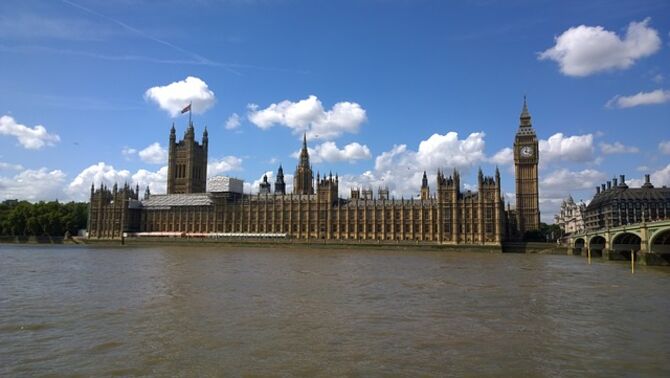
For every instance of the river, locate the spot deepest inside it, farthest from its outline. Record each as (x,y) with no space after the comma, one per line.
(206,311)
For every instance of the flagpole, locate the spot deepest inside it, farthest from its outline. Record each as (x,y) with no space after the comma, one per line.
(190,110)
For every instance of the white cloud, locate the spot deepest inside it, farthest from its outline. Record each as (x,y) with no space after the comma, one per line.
(156,180)
(584,50)
(309,116)
(576,148)
(661,177)
(563,180)
(557,185)
(31,138)
(254,186)
(128,152)
(664,147)
(103,173)
(617,148)
(33,185)
(328,152)
(658,78)
(400,169)
(503,157)
(175,96)
(11,167)
(658,96)
(233,122)
(223,165)
(154,154)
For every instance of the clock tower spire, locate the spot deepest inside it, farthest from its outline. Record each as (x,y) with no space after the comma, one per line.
(526,159)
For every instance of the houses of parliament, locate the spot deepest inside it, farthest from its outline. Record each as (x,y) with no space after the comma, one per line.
(442,214)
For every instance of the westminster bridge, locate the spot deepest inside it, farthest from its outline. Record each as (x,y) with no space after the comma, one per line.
(648,241)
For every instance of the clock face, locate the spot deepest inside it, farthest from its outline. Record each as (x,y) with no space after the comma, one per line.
(526,151)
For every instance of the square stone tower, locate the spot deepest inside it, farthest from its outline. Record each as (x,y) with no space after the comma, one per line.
(187,163)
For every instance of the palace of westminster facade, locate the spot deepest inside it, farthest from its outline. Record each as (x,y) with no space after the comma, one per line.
(314,209)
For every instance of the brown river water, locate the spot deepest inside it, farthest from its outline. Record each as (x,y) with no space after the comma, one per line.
(205,311)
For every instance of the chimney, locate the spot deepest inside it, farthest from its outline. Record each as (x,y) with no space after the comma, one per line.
(597,190)
(622,178)
(602,187)
(609,185)
(646,179)
(614,182)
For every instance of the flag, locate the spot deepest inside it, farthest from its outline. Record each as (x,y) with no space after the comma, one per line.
(186,109)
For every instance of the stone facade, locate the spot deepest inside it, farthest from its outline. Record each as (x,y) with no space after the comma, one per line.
(448,216)
(314,210)
(187,162)
(571,216)
(526,159)
(616,204)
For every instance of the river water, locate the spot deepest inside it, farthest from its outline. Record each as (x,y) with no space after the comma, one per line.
(212,311)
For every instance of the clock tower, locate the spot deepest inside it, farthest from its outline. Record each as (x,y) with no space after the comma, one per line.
(526,159)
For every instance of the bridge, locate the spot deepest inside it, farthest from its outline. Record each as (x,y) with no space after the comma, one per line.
(649,242)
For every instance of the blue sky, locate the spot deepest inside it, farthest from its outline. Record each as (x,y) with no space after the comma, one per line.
(384,89)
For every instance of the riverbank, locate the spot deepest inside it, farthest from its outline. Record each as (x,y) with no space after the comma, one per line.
(536,248)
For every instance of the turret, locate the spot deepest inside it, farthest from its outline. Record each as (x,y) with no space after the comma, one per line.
(264,186)
(280,185)
(425,190)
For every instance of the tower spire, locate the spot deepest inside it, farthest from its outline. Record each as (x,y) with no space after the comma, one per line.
(525,114)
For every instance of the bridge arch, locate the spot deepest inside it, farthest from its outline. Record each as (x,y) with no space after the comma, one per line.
(660,244)
(578,246)
(625,243)
(597,245)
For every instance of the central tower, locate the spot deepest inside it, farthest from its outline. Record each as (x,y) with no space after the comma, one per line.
(303,178)
(526,159)
(187,162)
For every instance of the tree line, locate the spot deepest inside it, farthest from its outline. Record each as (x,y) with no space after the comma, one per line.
(22,218)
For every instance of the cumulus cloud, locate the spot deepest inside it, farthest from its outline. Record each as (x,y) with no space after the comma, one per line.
(233,122)
(585,50)
(557,148)
(557,185)
(576,148)
(175,96)
(329,152)
(33,185)
(664,147)
(224,165)
(253,187)
(617,148)
(309,116)
(661,177)
(658,96)
(154,154)
(32,138)
(103,173)
(400,169)
(503,157)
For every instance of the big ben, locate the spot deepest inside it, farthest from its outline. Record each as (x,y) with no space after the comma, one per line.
(526,158)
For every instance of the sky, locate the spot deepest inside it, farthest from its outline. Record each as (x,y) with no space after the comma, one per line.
(384,89)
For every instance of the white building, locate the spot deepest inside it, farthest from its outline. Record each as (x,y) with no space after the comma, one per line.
(570,219)
(218,184)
